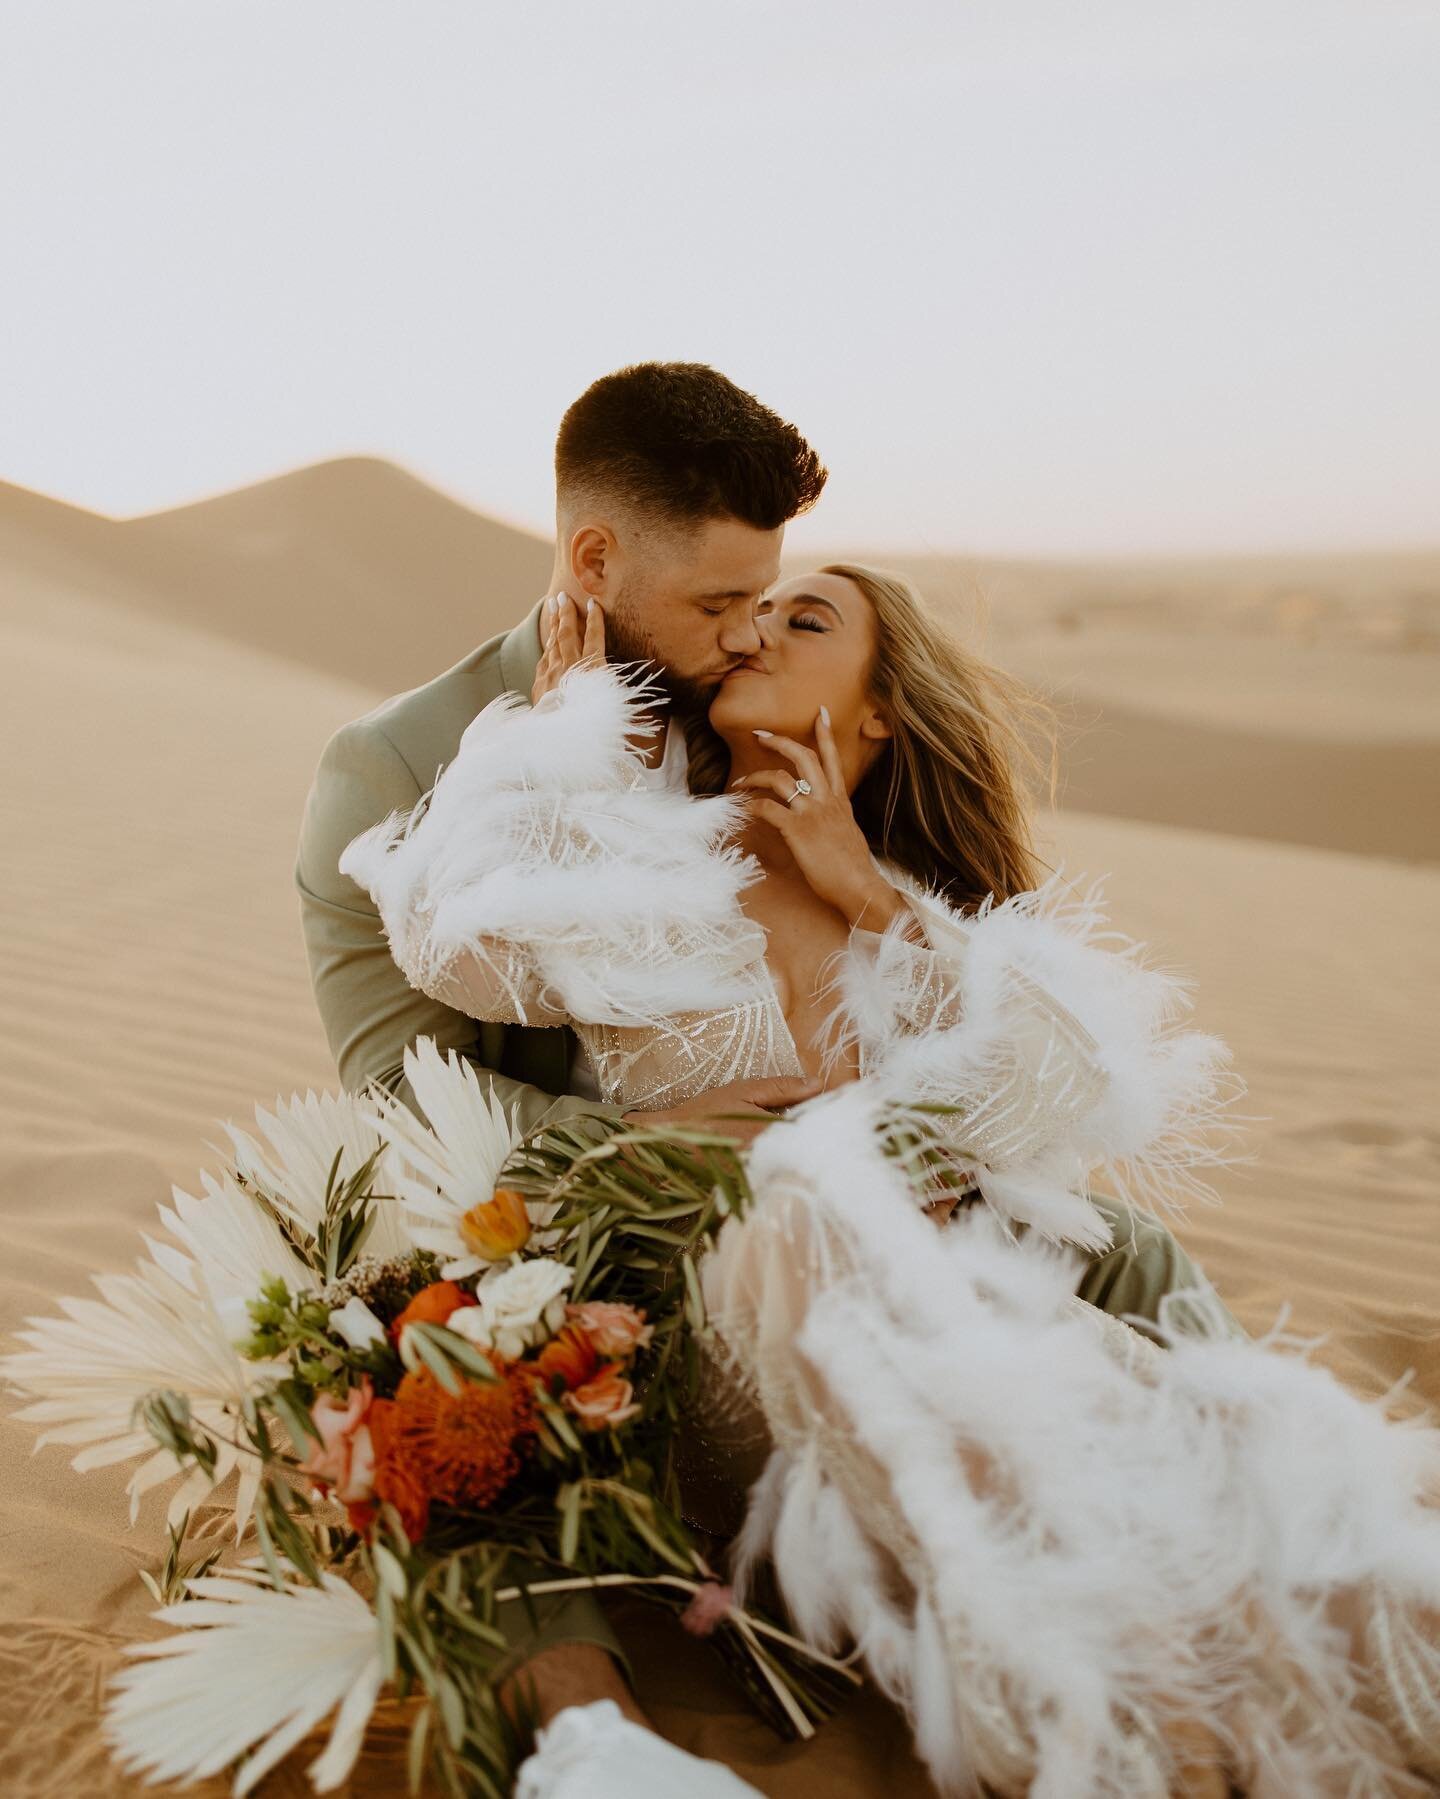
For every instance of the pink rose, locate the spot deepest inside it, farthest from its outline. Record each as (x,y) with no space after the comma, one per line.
(344,1458)
(604,1402)
(615,1330)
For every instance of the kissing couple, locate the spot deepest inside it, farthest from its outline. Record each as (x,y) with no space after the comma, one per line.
(690,844)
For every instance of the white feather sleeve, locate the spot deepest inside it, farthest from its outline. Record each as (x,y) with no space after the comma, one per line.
(542,879)
(1062,1052)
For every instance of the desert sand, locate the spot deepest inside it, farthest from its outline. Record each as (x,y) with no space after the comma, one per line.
(1253,761)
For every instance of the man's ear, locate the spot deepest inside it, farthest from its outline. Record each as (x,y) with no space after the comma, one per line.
(595,560)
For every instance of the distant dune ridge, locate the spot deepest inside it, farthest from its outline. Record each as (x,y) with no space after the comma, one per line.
(1260,788)
(1265,696)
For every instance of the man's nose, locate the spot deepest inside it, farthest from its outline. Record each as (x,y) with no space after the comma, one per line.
(742,636)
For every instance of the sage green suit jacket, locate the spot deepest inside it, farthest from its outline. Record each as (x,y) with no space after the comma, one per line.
(376,764)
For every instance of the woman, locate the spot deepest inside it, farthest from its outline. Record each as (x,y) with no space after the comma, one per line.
(849,892)
(850,876)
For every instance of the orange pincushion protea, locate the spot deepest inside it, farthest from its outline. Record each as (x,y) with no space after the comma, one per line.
(460,1449)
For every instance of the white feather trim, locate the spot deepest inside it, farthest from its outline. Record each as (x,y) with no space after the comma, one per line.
(1058,1042)
(542,872)
(1069,1549)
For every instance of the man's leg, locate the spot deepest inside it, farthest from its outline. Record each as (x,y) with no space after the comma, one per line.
(571,1654)
(1143,1264)
(569,1674)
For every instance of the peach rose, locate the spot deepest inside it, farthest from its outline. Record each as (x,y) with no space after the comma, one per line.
(615,1330)
(605,1401)
(344,1458)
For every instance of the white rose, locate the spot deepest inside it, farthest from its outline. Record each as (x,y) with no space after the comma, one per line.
(357,1324)
(518,1308)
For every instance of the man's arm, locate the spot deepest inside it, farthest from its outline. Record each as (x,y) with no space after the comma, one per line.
(369,1010)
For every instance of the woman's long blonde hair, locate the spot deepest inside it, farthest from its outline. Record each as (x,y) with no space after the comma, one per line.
(946,799)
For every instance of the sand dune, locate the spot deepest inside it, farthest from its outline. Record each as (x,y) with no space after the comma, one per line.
(161,730)
(1265,697)
(352,567)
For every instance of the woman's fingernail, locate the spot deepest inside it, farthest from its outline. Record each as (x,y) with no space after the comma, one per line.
(589,606)
(764,733)
(825,715)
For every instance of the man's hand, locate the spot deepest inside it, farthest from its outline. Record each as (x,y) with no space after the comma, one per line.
(571,632)
(758,1101)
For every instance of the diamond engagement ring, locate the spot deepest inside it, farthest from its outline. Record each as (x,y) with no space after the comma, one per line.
(800,787)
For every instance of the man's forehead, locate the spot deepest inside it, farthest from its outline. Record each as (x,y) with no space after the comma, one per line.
(731,560)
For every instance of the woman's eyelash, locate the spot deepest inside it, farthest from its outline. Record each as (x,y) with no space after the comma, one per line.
(807,624)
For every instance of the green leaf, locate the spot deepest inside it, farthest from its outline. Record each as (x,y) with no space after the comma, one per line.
(420,1340)
(296,1419)
(452,1709)
(694,1298)
(442,1350)
(267,1542)
(385,1624)
(415,1752)
(392,1575)
(567,1503)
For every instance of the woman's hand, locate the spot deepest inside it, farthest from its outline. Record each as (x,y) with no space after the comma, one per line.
(819,827)
(568,637)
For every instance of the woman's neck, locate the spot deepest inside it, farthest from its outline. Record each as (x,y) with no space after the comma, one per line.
(758,839)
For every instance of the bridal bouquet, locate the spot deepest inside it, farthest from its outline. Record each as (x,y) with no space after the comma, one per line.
(421,1368)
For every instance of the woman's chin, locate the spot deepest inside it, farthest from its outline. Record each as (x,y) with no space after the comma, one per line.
(738,706)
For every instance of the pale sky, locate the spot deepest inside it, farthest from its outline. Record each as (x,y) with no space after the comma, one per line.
(1034,277)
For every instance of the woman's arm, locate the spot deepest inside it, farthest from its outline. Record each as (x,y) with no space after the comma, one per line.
(1063,1056)
(542,880)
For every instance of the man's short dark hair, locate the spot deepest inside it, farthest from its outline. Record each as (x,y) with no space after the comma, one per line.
(678,439)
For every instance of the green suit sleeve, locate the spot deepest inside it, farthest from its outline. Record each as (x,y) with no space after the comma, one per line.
(370,1011)
(1144,1262)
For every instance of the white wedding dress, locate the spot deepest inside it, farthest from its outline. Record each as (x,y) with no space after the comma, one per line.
(1047,1538)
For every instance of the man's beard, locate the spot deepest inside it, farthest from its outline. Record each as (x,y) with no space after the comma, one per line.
(626,640)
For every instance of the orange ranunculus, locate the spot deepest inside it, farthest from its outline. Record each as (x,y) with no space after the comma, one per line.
(570,1354)
(615,1330)
(496,1228)
(605,1401)
(432,1305)
(460,1448)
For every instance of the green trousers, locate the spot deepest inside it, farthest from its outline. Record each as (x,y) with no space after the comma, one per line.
(1129,1279)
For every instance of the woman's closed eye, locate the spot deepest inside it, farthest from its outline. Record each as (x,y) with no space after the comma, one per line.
(807,622)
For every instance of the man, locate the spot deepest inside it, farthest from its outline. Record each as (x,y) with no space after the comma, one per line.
(673,488)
